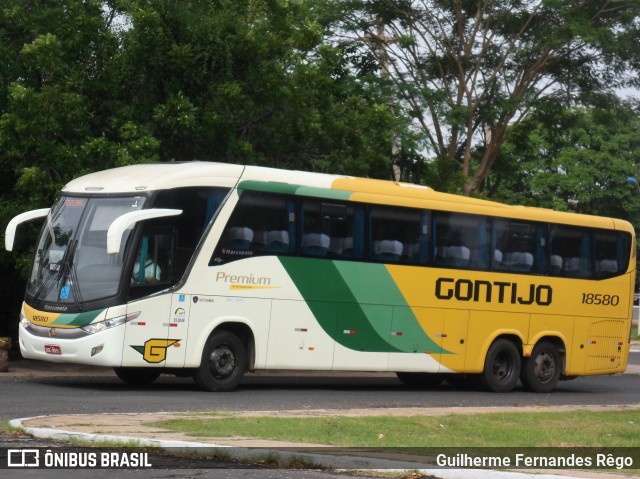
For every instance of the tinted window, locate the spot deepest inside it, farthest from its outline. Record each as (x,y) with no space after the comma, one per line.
(570,252)
(461,241)
(261,224)
(398,235)
(519,246)
(331,229)
(272,224)
(611,253)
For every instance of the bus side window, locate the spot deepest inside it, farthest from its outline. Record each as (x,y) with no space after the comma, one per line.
(462,241)
(153,263)
(572,246)
(316,227)
(398,235)
(611,253)
(331,229)
(199,205)
(261,224)
(519,247)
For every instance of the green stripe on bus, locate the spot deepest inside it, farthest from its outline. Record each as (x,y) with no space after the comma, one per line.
(79,319)
(320,282)
(368,303)
(361,277)
(327,193)
(289,189)
(268,186)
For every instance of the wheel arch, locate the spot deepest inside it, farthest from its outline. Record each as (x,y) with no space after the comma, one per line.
(236,325)
(475,361)
(513,337)
(244,332)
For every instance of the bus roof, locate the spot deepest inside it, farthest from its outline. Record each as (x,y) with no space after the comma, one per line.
(156,176)
(150,177)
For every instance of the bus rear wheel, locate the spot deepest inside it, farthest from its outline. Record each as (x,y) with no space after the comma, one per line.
(223,363)
(541,372)
(421,380)
(501,367)
(137,376)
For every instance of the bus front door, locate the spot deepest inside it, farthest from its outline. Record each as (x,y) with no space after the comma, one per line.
(149,339)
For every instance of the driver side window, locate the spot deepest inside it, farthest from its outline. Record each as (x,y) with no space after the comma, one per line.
(153,263)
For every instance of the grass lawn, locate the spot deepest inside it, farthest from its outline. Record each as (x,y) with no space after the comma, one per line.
(551,429)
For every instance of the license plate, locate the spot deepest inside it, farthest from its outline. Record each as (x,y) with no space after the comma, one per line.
(52,349)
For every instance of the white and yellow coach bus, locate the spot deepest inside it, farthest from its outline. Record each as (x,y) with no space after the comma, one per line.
(213,270)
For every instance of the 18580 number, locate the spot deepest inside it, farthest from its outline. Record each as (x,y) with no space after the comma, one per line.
(601,299)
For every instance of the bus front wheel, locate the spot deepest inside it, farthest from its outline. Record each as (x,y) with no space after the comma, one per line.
(541,372)
(501,367)
(223,363)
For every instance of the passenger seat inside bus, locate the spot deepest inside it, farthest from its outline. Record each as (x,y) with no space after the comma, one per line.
(239,238)
(336,246)
(571,266)
(456,256)
(315,244)
(341,247)
(277,241)
(411,252)
(347,247)
(606,266)
(259,240)
(520,261)
(555,264)
(387,250)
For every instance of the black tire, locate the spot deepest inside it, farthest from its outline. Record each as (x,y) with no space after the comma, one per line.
(421,380)
(223,364)
(541,371)
(138,376)
(501,367)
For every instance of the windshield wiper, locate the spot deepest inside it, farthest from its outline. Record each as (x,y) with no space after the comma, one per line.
(74,286)
(65,269)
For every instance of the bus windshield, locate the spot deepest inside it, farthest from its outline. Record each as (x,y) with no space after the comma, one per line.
(71,264)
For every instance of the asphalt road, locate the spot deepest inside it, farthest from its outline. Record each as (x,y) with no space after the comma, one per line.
(99,391)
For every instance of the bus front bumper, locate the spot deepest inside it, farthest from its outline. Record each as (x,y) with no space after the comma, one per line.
(100,349)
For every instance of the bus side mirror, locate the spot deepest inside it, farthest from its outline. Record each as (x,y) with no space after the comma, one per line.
(121,223)
(10,231)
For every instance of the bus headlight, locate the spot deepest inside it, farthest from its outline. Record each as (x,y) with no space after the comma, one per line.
(109,323)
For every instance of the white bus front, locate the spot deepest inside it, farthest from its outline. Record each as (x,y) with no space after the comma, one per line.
(75,285)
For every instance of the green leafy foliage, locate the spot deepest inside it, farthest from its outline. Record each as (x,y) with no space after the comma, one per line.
(470,72)
(574,159)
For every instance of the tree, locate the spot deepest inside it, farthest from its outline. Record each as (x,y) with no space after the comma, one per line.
(250,82)
(56,99)
(470,72)
(575,159)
